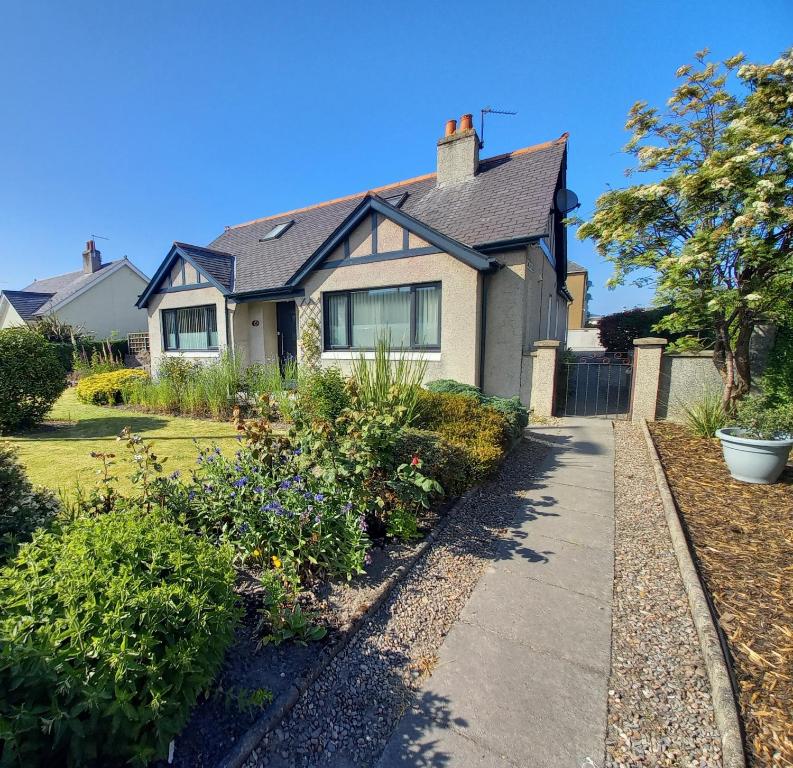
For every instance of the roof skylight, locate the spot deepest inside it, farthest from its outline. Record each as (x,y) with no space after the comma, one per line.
(396,200)
(277,231)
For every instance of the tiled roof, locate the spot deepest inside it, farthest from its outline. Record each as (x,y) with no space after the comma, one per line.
(217,264)
(26,302)
(61,287)
(510,197)
(573,267)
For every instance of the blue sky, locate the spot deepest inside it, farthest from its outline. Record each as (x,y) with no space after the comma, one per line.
(149,122)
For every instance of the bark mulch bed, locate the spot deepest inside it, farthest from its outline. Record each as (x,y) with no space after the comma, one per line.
(742,535)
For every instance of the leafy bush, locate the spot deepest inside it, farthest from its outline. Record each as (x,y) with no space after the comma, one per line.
(445,462)
(108,388)
(22,507)
(762,420)
(618,330)
(706,416)
(83,349)
(110,630)
(324,394)
(777,381)
(101,359)
(516,414)
(31,378)
(480,432)
(387,384)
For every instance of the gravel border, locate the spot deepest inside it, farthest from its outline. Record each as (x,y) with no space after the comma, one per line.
(724,706)
(285,701)
(660,710)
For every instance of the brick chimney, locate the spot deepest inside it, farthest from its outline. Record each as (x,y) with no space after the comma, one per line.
(92,259)
(458,152)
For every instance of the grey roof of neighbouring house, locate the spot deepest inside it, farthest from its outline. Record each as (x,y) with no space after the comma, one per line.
(217,264)
(61,287)
(573,267)
(510,197)
(26,303)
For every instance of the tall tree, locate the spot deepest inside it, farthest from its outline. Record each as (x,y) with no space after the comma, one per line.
(713,224)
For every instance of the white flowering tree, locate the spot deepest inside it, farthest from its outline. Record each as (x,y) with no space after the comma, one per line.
(713,224)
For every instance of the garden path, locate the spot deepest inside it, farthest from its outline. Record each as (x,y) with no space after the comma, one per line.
(523,673)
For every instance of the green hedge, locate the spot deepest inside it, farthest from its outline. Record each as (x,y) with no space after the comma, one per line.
(31,378)
(109,632)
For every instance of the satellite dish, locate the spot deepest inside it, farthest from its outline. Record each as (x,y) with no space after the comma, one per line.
(566,200)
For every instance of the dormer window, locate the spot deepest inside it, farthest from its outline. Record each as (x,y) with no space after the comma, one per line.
(277,231)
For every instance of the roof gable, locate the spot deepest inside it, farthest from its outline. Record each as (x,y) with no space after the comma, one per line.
(212,267)
(510,197)
(373,203)
(26,303)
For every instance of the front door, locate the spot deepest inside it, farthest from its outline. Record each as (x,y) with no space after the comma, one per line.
(286,325)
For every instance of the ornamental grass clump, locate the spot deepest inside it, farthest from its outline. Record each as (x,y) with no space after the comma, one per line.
(110,629)
(705,416)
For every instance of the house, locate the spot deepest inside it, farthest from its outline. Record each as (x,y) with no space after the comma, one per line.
(99,297)
(464,267)
(581,336)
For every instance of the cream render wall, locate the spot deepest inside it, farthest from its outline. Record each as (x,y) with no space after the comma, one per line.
(9,317)
(109,306)
(262,338)
(174,300)
(460,306)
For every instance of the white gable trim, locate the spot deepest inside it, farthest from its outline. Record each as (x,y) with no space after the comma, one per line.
(103,274)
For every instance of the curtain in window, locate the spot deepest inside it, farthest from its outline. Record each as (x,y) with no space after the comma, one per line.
(428,305)
(378,313)
(193,328)
(170,329)
(337,321)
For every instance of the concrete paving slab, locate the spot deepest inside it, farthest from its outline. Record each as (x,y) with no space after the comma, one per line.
(544,494)
(420,741)
(531,707)
(573,525)
(546,618)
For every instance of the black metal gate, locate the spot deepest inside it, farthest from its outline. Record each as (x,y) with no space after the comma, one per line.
(594,385)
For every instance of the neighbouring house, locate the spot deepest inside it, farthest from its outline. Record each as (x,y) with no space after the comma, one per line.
(581,336)
(101,298)
(464,267)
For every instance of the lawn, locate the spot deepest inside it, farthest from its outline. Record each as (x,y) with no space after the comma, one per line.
(57,454)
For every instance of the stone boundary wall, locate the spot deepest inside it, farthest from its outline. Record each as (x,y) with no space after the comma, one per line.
(685,379)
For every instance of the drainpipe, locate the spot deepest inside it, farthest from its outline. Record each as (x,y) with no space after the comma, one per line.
(483,332)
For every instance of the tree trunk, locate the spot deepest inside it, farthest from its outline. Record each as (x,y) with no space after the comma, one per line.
(733,362)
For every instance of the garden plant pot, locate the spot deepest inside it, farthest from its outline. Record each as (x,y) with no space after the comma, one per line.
(753,461)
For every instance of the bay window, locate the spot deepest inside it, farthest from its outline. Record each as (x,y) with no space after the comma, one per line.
(409,316)
(190,329)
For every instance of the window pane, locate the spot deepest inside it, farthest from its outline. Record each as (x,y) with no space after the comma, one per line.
(337,320)
(428,306)
(212,326)
(381,313)
(169,319)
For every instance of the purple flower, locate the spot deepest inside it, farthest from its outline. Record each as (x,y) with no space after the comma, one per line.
(285,485)
(244,528)
(298,479)
(241,482)
(258,489)
(232,494)
(367,559)
(216,451)
(238,467)
(362,523)
(297,452)
(319,497)
(273,506)
(347,507)
(175,475)
(317,519)
(308,495)
(191,495)
(208,487)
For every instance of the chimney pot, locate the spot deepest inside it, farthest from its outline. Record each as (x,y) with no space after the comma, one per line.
(466,123)
(451,127)
(458,153)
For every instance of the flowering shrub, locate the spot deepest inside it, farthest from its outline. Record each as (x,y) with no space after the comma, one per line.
(107,388)
(266,503)
(109,631)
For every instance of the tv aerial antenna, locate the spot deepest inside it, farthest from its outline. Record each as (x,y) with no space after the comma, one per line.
(489,111)
(99,237)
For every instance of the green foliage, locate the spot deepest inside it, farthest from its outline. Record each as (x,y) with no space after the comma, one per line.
(618,330)
(445,462)
(82,349)
(110,630)
(480,433)
(389,384)
(108,388)
(706,415)
(52,328)
(101,359)
(712,227)
(212,389)
(511,408)
(324,394)
(23,508)
(777,380)
(244,700)
(762,420)
(31,378)
(282,617)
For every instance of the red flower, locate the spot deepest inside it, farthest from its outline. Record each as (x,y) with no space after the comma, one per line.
(415,461)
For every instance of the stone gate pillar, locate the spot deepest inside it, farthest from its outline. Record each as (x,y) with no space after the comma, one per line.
(646,375)
(543,377)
